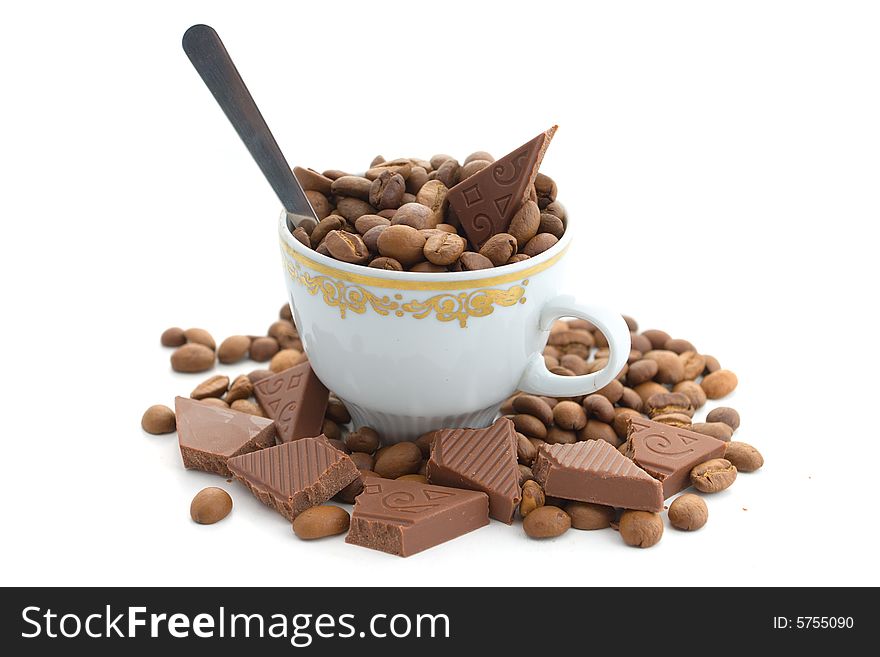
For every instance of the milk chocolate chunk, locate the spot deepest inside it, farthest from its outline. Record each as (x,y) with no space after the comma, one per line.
(486,201)
(295,476)
(209,435)
(669,453)
(296,399)
(479,459)
(594,471)
(404,517)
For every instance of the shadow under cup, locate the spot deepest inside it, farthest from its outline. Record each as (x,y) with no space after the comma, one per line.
(412,352)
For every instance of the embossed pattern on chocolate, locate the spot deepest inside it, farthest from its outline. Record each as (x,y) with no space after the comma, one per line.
(296,399)
(486,201)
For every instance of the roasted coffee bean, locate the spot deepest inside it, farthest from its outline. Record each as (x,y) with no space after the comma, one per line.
(585,515)
(362,460)
(210,505)
(428,267)
(649,388)
(479,155)
(308,225)
(332,222)
(567,336)
(333,174)
(556,208)
(499,248)
(200,336)
(693,391)
(216,386)
(247,406)
(641,371)
(539,243)
(569,415)
(233,349)
(321,521)
(668,402)
(241,388)
(424,443)
(285,359)
(376,161)
(670,369)
(713,476)
(724,414)
(546,522)
(439,159)
(352,208)
(285,334)
(443,248)
(525,474)
(612,392)
(338,444)
(471,261)
(525,224)
(389,264)
(526,452)
(719,384)
(354,186)
(320,204)
(173,337)
(712,364)
(641,528)
(417,179)
(561,371)
(545,188)
(159,419)
(657,338)
(743,456)
(433,196)
(717,430)
(398,459)
(371,237)
(355,488)
(678,345)
(630,399)
(535,406)
(470,168)
(575,363)
(262,349)
(448,173)
(596,430)
(192,357)
(387,190)
(258,375)
(529,425)
(400,165)
(347,247)
(532,498)
(621,421)
(550,223)
(688,512)
(519,257)
(640,343)
(560,436)
(693,364)
(214,401)
(331,430)
(597,364)
(403,243)
(598,407)
(681,420)
(337,412)
(368,221)
(312,181)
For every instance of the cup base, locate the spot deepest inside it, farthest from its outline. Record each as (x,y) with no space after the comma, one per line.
(398,428)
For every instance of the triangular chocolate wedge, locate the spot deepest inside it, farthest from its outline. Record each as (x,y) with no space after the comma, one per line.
(486,201)
(296,399)
(669,453)
(479,459)
(295,476)
(594,471)
(209,436)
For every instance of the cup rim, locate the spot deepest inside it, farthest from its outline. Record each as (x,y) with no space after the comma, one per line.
(388,278)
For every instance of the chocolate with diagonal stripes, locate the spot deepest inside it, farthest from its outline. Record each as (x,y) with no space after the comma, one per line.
(296,399)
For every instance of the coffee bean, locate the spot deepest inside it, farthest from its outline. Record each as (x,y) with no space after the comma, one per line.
(200,336)
(403,243)
(214,401)
(596,430)
(585,515)
(416,215)
(560,436)
(546,522)
(371,237)
(479,155)
(712,364)
(470,168)
(680,420)
(743,456)
(668,402)
(567,337)
(529,425)
(678,346)
(347,247)
(214,387)
(362,460)
(333,174)
(575,363)
(368,221)
(192,357)
(525,474)
(550,223)
(332,222)
(355,488)
(210,505)
(717,430)
(471,261)
(613,391)
(649,388)
(388,264)
(525,224)
(399,459)
(526,452)
(241,388)
(352,208)
(641,528)
(258,375)
(284,333)
(321,521)
(354,186)
(598,407)
(669,367)
(424,443)
(337,411)
(449,173)
(285,359)
(308,225)
(693,391)
(439,159)
(312,181)
(569,415)
(657,338)
(262,349)
(719,384)
(688,512)
(693,364)
(539,243)
(331,430)
(556,208)
(545,188)
(233,349)
(641,371)
(641,343)
(173,337)
(499,248)
(621,421)
(400,165)
(339,445)
(532,498)
(724,414)
(514,259)
(364,440)
(320,204)
(433,196)
(417,179)
(159,419)
(443,248)
(247,406)
(534,406)
(387,190)
(713,476)
(630,399)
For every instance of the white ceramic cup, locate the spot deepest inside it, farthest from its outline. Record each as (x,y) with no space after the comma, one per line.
(410,352)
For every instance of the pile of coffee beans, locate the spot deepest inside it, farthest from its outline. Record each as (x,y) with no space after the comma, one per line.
(396,216)
(666,379)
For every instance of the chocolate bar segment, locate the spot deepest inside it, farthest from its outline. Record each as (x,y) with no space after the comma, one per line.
(479,459)
(405,517)
(295,476)
(296,399)
(486,201)
(594,471)
(669,453)
(209,436)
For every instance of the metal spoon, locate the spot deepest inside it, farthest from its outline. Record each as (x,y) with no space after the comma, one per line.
(210,58)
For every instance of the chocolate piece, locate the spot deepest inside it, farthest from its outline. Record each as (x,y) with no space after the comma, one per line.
(479,459)
(669,453)
(296,399)
(404,517)
(486,201)
(209,435)
(294,476)
(594,471)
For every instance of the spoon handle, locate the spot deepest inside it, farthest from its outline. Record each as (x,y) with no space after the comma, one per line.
(210,58)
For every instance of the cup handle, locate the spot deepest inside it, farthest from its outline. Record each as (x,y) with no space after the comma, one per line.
(538,380)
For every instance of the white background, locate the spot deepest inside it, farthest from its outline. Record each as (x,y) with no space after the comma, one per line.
(720,163)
